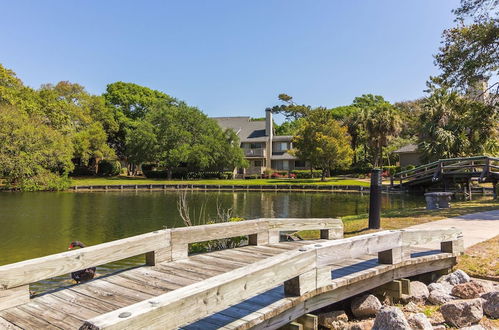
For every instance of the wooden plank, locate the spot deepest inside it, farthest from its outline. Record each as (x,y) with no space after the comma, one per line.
(337,250)
(295,224)
(152,281)
(80,312)
(178,271)
(25,320)
(106,294)
(14,297)
(232,257)
(38,269)
(52,316)
(141,286)
(293,326)
(79,299)
(6,325)
(172,278)
(210,296)
(424,236)
(217,231)
(214,269)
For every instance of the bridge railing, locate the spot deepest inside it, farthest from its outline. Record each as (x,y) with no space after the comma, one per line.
(434,170)
(159,246)
(302,271)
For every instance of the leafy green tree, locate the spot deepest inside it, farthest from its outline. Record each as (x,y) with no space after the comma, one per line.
(33,156)
(290,109)
(323,142)
(469,51)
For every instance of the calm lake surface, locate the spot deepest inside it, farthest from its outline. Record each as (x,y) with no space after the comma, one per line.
(38,224)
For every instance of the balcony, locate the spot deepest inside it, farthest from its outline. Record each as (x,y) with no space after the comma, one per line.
(257,152)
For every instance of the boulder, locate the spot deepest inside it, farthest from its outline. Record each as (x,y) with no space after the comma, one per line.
(435,286)
(439,327)
(419,292)
(468,290)
(419,321)
(333,320)
(491,304)
(462,313)
(454,278)
(438,297)
(411,307)
(362,325)
(474,327)
(365,306)
(390,318)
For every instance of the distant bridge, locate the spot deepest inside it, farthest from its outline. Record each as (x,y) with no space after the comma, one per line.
(446,172)
(266,284)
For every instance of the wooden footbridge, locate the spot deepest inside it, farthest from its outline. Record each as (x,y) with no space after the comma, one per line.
(446,172)
(265,284)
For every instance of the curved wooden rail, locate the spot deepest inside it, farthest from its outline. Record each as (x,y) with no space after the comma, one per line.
(302,271)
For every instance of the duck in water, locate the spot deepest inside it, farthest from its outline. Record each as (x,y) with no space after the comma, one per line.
(84,274)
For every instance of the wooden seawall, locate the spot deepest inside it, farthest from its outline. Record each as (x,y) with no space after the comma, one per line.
(264,285)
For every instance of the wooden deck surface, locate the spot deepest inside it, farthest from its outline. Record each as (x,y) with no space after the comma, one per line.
(69,307)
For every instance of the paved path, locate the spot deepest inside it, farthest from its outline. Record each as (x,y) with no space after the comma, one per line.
(476,227)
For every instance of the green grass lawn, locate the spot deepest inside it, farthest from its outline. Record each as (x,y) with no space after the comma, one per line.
(87,181)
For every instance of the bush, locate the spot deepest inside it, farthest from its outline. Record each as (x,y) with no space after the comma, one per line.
(82,171)
(391,170)
(306,174)
(41,181)
(184,174)
(109,168)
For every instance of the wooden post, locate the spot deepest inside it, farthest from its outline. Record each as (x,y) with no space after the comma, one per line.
(14,297)
(179,251)
(274,236)
(259,238)
(324,276)
(301,284)
(393,256)
(456,246)
(155,257)
(309,321)
(335,233)
(292,326)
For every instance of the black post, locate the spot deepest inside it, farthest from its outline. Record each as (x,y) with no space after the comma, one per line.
(375,199)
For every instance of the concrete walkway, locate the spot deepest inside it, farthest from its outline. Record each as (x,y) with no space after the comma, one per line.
(476,227)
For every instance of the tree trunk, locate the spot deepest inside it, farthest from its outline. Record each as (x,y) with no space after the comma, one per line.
(323,176)
(170,173)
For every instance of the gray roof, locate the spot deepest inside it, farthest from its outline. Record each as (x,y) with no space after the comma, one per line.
(407,148)
(245,128)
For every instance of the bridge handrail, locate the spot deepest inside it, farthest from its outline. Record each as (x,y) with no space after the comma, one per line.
(306,268)
(161,245)
(445,161)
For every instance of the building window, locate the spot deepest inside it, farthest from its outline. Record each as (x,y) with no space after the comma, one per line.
(258,163)
(283,146)
(300,163)
(255,145)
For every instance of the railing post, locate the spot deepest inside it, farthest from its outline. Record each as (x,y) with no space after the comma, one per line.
(332,233)
(455,246)
(261,238)
(393,256)
(301,284)
(14,297)
(179,251)
(157,256)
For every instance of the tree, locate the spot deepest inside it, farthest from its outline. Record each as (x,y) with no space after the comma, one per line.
(290,110)
(33,156)
(141,144)
(470,51)
(453,126)
(323,142)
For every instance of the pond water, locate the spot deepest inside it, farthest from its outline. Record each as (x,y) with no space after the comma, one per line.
(38,224)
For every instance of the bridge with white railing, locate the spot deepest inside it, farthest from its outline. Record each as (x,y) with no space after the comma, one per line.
(265,284)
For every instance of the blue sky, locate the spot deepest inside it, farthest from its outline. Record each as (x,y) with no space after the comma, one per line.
(230,57)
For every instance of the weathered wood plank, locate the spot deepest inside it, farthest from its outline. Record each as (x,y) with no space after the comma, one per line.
(337,250)
(309,321)
(80,312)
(79,299)
(33,270)
(52,315)
(211,295)
(424,236)
(14,297)
(24,320)
(4,324)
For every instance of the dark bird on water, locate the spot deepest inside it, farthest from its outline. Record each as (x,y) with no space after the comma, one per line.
(84,274)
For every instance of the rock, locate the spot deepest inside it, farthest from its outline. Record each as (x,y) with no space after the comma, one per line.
(365,306)
(491,304)
(468,290)
(362,325)
(473,327)
(419,292)
(334,319)
(454,278)
(462,313)
(419,321)
(438,297)
(435,286)
(411,307)
(390,318)
(439,327)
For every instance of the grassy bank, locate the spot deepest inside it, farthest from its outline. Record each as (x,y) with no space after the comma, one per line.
(88,181)
(398,219)
(481,260)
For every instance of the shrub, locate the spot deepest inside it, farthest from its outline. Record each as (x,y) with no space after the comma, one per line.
(391,170)
(109,168)
(306,174)
(42,181)
(82,171)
